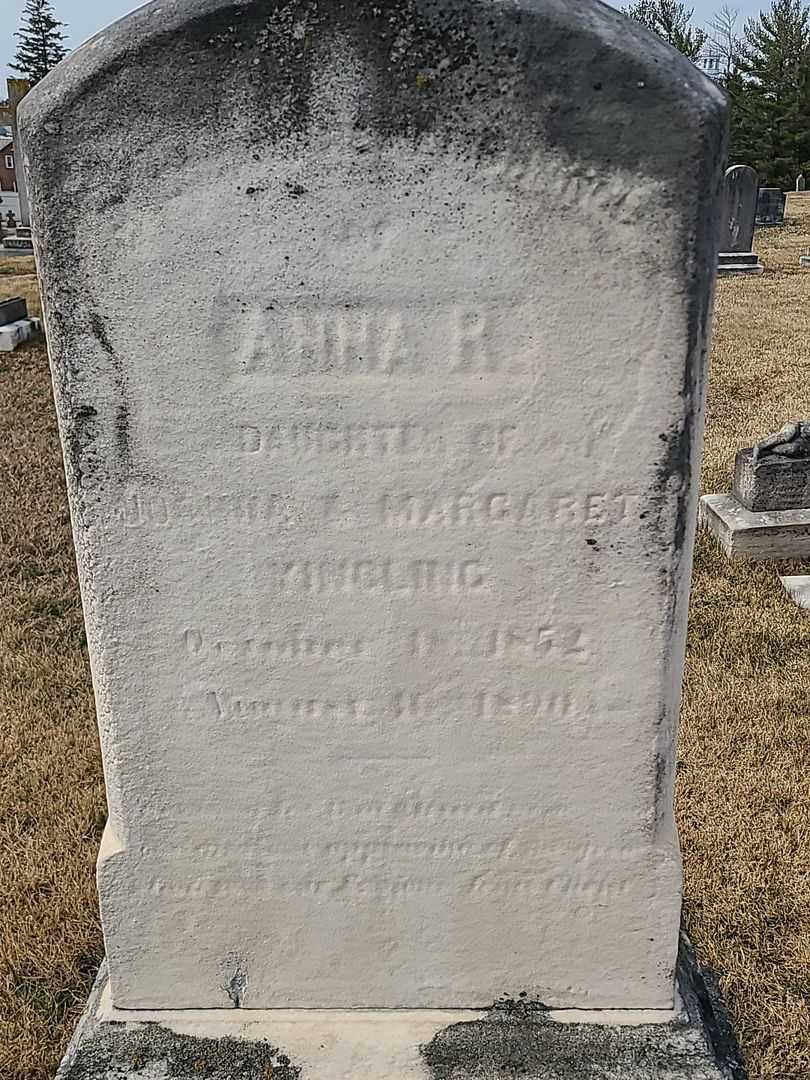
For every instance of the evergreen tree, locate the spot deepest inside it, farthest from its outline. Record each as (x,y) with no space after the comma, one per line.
(770,95)
(671,21)
(41,41)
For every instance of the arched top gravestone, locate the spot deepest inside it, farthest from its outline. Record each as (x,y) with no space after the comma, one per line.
(379,358)
(739,209)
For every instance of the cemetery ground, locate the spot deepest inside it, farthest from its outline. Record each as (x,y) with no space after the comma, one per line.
(744,761)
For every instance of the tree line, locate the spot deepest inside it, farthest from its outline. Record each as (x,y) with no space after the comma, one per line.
(765,69)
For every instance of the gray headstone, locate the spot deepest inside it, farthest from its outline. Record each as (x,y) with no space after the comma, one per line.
(801,184)
(771,206)
(739,209)
(384,489)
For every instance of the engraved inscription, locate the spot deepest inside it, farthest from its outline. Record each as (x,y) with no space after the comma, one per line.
(374,441)
(394,510)
(371,441)
(382,341)
(398,577)
(533,705)
(412,708)
(442,510)
(542,642)
(203,645)
(231,707)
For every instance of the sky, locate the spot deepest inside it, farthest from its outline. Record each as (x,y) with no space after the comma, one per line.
(86,17)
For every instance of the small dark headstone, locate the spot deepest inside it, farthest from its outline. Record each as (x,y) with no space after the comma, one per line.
(771,207)
(13,310)
(801,183)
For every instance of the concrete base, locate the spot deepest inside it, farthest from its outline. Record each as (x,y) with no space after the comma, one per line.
(733,263)
(798,589)
(761,536)
(514,1038)
(19,243)
(17,333)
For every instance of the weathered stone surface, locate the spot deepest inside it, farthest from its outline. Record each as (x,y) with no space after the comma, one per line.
(385,570)
(771,482)
(770,207)
(511,1039)
(739,209)
(13,310)
(801,183)
(761,536)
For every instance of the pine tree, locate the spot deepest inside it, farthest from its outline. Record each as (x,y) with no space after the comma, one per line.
(41,38)
(671,21)
(771,95)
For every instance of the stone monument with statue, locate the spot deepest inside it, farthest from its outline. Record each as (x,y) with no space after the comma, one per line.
(767,515)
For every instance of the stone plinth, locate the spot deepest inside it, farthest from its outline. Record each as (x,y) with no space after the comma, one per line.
(762,536)
(14,334)
(730,264)
(770,482)
(18,243)
(512,1039)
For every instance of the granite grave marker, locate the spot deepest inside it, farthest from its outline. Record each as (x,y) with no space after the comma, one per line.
(739,209)
(771,207)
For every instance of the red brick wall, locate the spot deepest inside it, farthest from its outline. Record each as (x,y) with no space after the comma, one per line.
(8,180)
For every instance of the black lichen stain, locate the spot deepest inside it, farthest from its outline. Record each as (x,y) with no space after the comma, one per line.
(124,1052)
(675,470)
(485,78)
(500,1046)
(121,421)
(521,1007)
(82,431)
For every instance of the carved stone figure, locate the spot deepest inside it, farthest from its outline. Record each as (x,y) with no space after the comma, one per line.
(793,441)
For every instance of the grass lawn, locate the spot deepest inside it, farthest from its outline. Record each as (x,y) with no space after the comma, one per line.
(744,768)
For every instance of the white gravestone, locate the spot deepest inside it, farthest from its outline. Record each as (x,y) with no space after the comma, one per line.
(383,488)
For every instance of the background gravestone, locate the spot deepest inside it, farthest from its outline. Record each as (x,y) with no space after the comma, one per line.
(383,485)
(767,515)
(771,207)
(738,215)
(739,209)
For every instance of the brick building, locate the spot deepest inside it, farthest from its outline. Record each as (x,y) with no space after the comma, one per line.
(8,176)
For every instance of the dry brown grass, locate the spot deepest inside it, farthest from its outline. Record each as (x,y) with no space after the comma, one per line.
(51,797)
(744,775)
